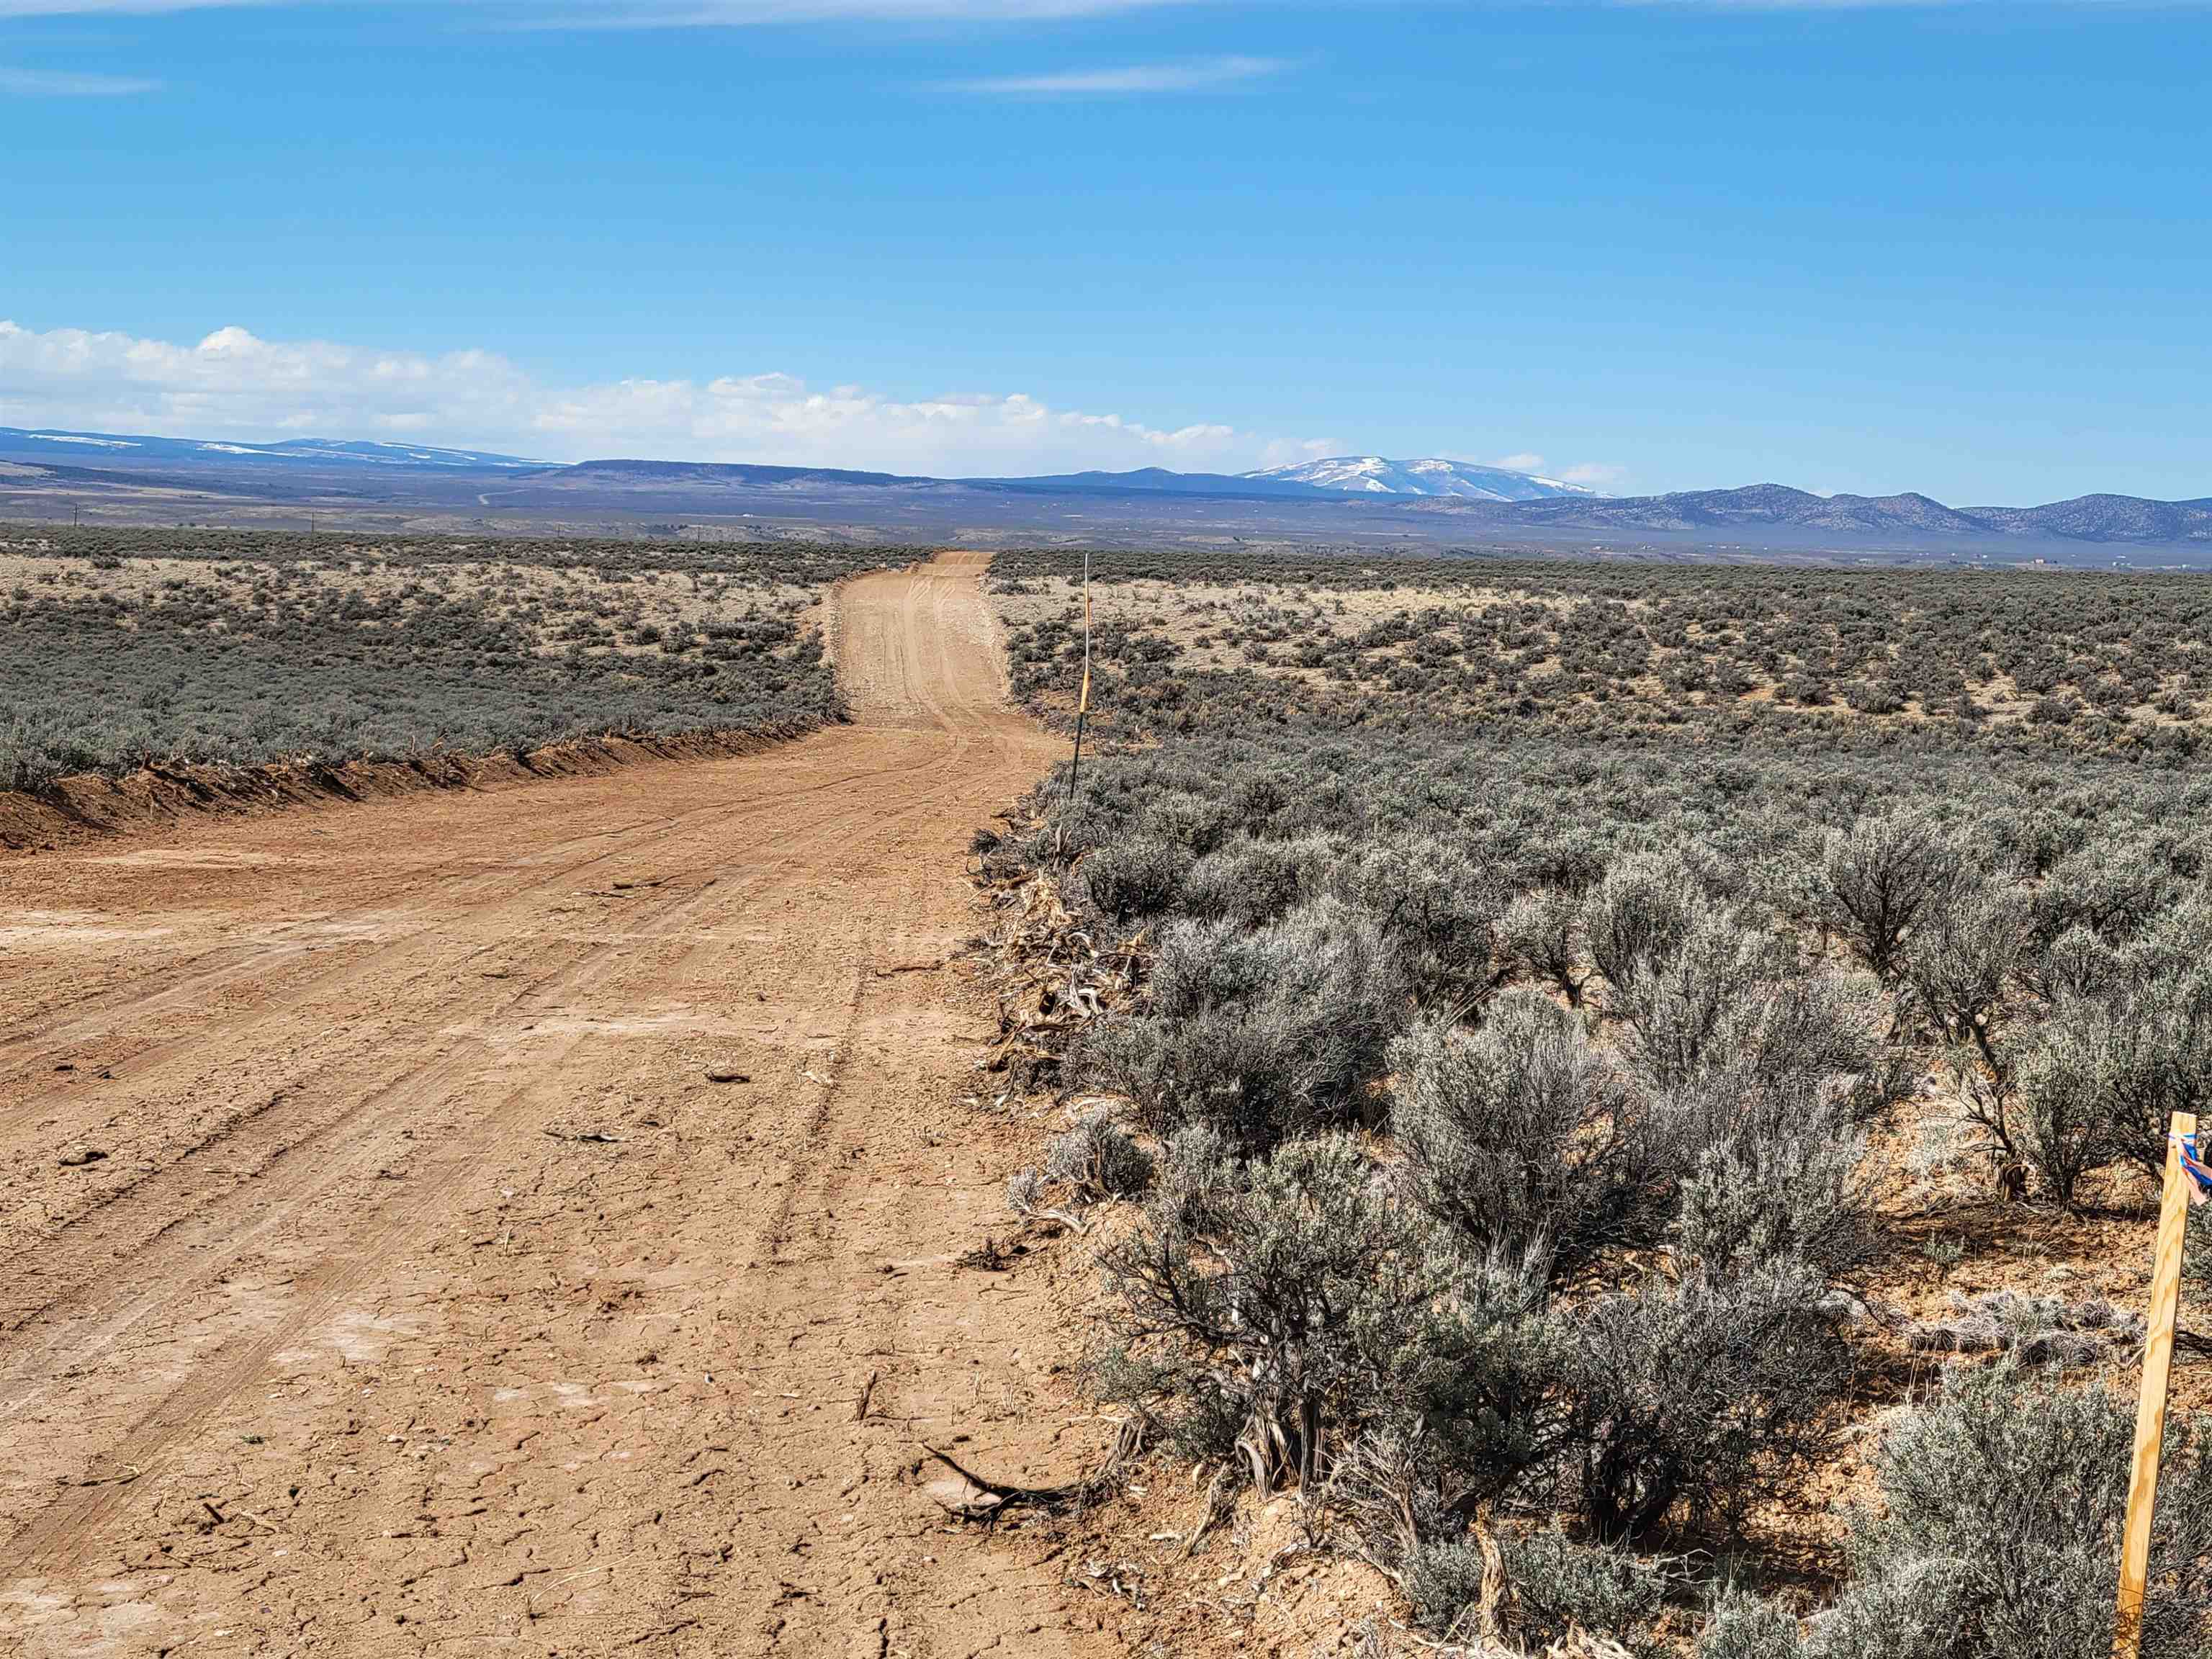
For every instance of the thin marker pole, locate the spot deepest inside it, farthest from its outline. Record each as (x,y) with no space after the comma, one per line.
(1083,703)
(2150,1411)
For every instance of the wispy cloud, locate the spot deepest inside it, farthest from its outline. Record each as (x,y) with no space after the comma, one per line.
(71,83)
(665,13)
(1591,475)
(234,383)
(1194,75)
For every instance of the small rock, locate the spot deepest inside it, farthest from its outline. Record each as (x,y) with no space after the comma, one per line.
(724,1074)
(77,1156)
(959,1496)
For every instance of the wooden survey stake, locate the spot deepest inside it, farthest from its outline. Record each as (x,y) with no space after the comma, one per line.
(2150,1413)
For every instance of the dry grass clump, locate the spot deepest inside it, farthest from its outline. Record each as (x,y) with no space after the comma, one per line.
(2038,1330)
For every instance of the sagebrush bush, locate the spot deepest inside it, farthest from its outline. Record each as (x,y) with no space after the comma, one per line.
(1263,1034)
(1961,962)
(1135,876)
(1541,932)
(2077,963)
(1998,1535)
(1559,1584)
(2101,1079)
(279,648)
(1438,912)
(1564,789)
(2067,1123)
(1252,882)
(1797,1196)
(1442,1579)
(1706,1394)
(1197,820)
(1689,1010)
(1745,1627)
(1267,1308)
(1098,1159)
(1518,1134)
(1554,1584)
(1639,919)
(18,754)
(2129,1059)
(1882,875)
(2113,891)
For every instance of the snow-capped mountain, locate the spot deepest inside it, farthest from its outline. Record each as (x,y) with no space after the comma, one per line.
(1372,474)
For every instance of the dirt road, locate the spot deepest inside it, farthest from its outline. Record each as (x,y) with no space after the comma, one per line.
(386,1276)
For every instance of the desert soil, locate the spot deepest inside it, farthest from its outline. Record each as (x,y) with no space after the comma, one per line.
(385,1275)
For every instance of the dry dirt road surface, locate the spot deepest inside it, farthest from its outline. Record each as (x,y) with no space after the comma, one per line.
(425,1297)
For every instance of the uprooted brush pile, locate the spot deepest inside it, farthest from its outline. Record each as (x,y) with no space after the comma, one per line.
(1050,972)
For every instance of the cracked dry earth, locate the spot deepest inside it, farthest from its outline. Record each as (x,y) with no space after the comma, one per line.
(428,1297)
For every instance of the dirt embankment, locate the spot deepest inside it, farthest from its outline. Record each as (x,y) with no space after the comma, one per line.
(388,1277)
(154,796)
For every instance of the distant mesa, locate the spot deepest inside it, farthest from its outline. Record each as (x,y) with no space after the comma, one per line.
(21,443)
(731,473)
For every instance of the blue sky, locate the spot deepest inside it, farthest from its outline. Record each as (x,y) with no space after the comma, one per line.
(1959,248)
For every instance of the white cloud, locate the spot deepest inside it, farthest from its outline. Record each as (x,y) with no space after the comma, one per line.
(1197,75)
(1521,463)
(1291,451)
(71,83)
(234,384)
(1593,475)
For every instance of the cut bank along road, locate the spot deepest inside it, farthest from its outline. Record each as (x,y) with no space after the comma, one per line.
(426,1295)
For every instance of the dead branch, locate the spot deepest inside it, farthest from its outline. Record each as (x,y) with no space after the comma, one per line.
(973,1496)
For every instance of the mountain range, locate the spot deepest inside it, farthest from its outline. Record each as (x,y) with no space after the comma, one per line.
(1341,478)
(1371,475)
(1345,498)
(2085,518)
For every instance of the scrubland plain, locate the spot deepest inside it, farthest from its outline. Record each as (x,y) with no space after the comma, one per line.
(1530,1107)
(1644,1087)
